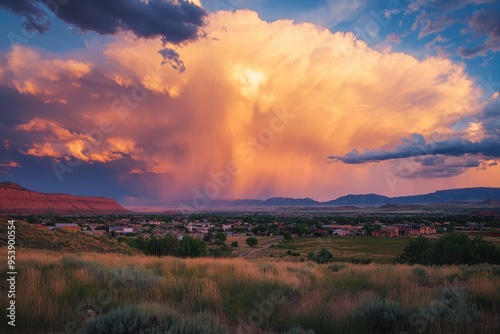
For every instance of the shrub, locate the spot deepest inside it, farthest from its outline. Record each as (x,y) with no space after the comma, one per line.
(150,319)
(142,279)
(337,267)
(361,261)
(234,244)
(324,256)
(299,330)
(450,309)
(419,272)
(381,315)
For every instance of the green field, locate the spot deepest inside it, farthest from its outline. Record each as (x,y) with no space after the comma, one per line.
(492,235)
(380,250)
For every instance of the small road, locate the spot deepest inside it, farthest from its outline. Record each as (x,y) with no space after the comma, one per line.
(266,245)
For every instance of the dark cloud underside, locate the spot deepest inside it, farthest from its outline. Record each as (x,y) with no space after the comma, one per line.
(172,21)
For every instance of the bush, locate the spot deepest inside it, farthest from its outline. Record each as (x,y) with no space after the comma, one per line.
(299,330)
(150,319)
(142,279)
(287,236)
(361,261)
(337,267)
(450,309)
(381,316)
(419,272)
(251,241)
(234,244)
(324,256)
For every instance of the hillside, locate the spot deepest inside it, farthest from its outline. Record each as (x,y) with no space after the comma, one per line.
(34,237)
(15,199)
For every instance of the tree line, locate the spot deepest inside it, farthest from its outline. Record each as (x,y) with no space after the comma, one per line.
(169,245)
(450,249)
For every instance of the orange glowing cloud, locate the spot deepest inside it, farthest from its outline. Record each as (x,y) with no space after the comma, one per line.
(31,74)
(257,112)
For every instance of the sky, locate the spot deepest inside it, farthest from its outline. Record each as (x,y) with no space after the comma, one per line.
(154,101)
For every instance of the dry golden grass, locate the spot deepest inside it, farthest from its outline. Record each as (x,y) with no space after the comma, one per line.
(55,289)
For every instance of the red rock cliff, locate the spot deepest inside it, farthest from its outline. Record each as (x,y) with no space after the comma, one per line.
(15,199)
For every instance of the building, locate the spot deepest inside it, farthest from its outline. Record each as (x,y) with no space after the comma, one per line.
(386,231)
(408,230)
(121,229)
(342,227)
(341,232)
(427,229)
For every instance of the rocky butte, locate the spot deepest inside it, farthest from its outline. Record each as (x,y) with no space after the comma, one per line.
(15,199)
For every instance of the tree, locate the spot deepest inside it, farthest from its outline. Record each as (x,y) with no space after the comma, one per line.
(251,241)
(453,248)
(220,238)
(484,252)
(260,229)
(222,251)
(208,237)
(416,251)
(300,230)
(287,236)
(32,220)
(234,244)
(369,228)
(192,247)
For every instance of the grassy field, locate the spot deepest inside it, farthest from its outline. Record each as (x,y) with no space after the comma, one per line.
(492,235)
(57,292)
(242,245)
(380,250)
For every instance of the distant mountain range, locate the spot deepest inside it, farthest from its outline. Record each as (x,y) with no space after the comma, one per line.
(488,196)
(15,199)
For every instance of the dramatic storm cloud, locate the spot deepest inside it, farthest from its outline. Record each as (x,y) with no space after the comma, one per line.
(255,123)
(485,146)
(173,21)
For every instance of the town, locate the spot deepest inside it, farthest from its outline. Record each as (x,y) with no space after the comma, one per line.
(308,224)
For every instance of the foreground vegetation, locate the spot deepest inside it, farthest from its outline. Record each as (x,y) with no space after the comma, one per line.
(34,237)
(94,293)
